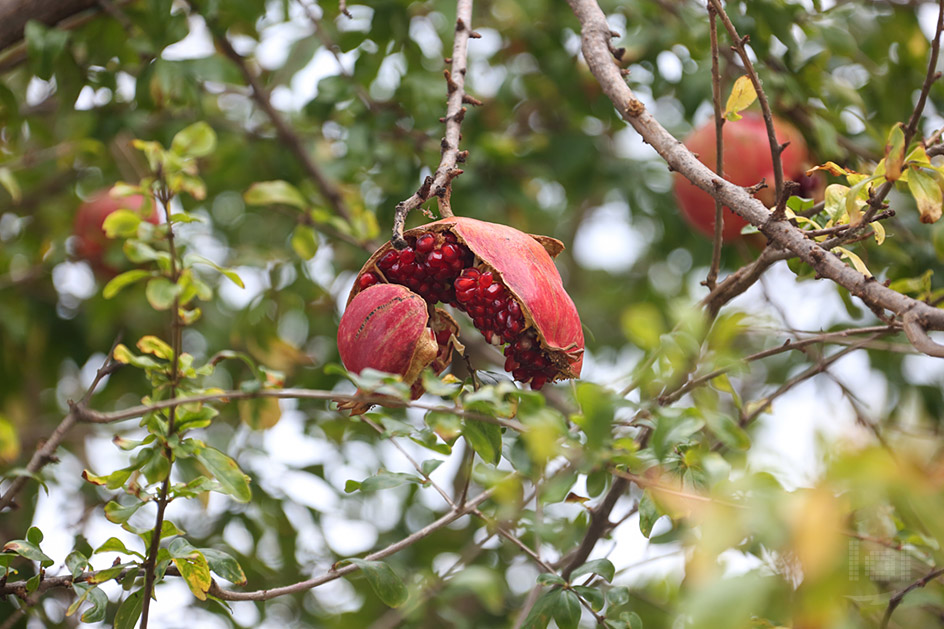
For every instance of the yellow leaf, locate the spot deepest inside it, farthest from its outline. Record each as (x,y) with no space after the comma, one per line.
(894,153)
(260,413)
(832,168)
(742,95)
(855,260)
(927,194)
(879,230)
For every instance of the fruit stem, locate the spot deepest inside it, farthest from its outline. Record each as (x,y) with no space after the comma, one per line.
(440,184)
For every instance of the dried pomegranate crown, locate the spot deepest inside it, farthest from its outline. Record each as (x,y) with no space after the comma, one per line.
(503,278)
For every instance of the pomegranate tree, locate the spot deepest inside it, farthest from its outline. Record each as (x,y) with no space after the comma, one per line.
(746,162)
(504,279)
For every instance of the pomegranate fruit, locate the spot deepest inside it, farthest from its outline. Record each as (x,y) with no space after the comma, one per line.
(390,328)
(746,161)
(91,242)
(504,279)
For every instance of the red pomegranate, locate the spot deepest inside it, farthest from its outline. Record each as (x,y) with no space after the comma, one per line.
(746,161)
(504,279)
(91,242)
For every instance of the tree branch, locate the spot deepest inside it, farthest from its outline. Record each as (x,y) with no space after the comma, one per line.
(899,597)
(595,34)
(46,453)
(96,417)
(336,573)
(440,184)
(14,14)
(285,132)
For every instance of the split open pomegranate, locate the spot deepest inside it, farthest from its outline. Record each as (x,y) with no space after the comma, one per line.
(504,279)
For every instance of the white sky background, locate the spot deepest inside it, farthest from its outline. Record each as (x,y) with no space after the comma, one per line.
(787,441)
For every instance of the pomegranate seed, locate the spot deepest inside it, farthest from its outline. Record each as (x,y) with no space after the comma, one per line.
(537,382)
(367,279)
(407,256)
(450,252)
(513,308)
(491,290)
(442,337)
(388,259)
(425,243)
(486,279)
(435,259)
(464,284)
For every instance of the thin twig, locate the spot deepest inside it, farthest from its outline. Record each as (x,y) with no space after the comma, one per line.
(96,417)
(712,278)
(46,453)
(440,183)
(286,134)
(338,572)
(150,563)
(739,45)
(789,345)
(900,596)
(818,368)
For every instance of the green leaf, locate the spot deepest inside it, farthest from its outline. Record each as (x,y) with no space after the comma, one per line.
(602,567)
(485,439)
(115,545)
(596,419)
(271,192)
(121,224)
(44,46)
(549,578)
(232,479)
(383,581)
(99,601)
(161,292)
(224,565)
(28,550)
(541,613)
(10,184)
(648,514)
(592,596)
(119,514)
(305,242)
(894,153)
(129,611)
(114,286)
(927,194)
(230,274)
(76,562)
(388,480)
(566,609)
(197,140)
(34,535)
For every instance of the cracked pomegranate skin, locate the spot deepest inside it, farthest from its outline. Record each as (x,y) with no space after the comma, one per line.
(746,161)
(385,328)
(504,279)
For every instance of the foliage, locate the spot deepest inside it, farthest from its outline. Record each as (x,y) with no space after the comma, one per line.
(276,140)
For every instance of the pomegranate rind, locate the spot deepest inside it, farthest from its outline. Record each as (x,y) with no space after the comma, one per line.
(384,328)
(525,266)
(529,273)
